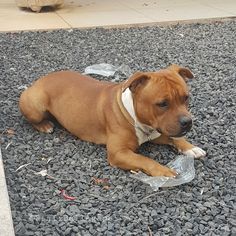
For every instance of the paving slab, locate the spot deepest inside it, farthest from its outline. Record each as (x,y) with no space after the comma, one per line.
(6,223)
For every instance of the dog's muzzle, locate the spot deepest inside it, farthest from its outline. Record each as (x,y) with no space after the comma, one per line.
(186,123)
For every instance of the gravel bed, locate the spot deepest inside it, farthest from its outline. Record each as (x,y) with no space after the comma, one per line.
(120,205)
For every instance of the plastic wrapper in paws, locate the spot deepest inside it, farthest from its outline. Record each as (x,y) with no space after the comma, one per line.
(183,165)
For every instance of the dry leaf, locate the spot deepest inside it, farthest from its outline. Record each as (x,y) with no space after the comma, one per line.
(99,181)
(10,132)
(106,187)
(102,182)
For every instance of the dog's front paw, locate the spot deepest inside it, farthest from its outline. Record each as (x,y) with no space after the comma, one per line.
(160,170)
(195,152)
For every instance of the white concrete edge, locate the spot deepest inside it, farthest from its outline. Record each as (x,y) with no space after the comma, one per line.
(6,223)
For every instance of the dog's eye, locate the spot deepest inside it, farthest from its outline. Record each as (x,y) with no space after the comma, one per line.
(163,104)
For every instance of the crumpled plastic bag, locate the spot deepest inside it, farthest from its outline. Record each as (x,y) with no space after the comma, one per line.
(107,70)
(183,165)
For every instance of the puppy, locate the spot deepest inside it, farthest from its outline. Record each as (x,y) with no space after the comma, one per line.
(149,106)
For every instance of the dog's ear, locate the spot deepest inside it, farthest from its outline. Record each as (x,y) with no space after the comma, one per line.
(136,81)
(185,73)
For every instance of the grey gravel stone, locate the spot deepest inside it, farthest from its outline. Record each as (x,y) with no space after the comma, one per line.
(204,206)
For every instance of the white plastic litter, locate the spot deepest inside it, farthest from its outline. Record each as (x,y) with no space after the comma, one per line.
(107,69)
(42,172)
(183,165)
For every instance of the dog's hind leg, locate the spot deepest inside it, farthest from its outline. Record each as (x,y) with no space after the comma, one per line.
(33,105)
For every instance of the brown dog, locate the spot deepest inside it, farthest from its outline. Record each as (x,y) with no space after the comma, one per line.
(149,106)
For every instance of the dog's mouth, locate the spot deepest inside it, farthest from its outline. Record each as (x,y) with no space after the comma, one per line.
(179,135)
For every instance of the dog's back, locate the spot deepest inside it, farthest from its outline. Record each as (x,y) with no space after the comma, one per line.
(72,98)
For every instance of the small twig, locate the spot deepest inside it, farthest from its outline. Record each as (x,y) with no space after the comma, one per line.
(149,231)
(8,145)
(3,132)
(202,190)
(22,166)
(50,177)
(49,160)
(148,196)
(90,164)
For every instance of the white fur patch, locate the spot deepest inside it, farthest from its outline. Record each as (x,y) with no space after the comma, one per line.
(195,152)
(143,132)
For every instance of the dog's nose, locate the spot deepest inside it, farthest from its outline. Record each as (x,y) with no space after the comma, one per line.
(185,122)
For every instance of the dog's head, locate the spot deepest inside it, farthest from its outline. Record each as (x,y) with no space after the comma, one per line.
(161,99)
